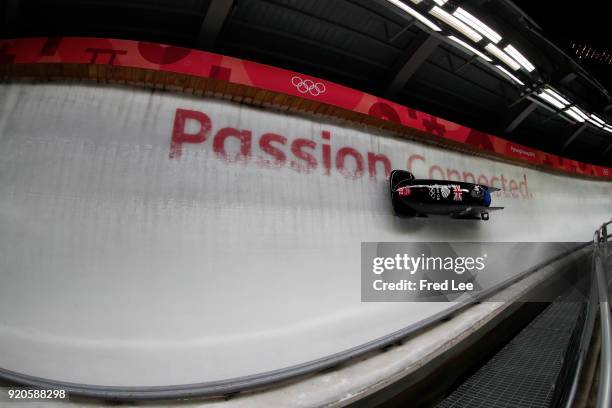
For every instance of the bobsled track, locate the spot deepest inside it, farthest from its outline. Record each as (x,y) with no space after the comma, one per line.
(153,239)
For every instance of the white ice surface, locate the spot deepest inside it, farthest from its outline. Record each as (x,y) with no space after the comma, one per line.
(120,266)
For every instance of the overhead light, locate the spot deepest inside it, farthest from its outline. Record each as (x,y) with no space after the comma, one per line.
(440,2)
(416,1)
(509,75)
(415,14)
(608,129)
(579,112)
(576,114)
(596,120)
(557,96)
(470,48)
(478,25)
(554,102)
(502,56)
(595,123)
(455,23)
(520,58)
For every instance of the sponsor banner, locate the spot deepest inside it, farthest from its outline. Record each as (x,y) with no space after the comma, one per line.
(138,54)
(325,151)
(464,272)
(522,152)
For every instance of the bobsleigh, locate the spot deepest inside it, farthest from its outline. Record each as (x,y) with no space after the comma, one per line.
(419,198)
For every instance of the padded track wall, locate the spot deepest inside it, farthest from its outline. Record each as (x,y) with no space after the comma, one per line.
(149,238)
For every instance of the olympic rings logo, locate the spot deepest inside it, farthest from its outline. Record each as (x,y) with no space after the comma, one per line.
(308,86)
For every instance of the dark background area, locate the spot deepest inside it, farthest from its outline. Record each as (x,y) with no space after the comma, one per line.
(584,23)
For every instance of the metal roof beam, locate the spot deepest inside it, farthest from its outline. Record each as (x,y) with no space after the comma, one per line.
(283,56)
(298,38)
(420,49)
(528,110)
(401,32)
(337,23)
(217,13)
(574,135)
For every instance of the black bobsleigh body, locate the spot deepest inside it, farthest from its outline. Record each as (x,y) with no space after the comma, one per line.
(413,197)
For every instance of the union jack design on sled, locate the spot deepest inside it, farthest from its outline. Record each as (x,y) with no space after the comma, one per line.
(419,198)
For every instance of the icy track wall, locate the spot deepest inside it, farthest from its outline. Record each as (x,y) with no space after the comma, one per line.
(157,239)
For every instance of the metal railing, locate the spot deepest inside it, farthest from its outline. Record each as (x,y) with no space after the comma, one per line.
(598,303)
